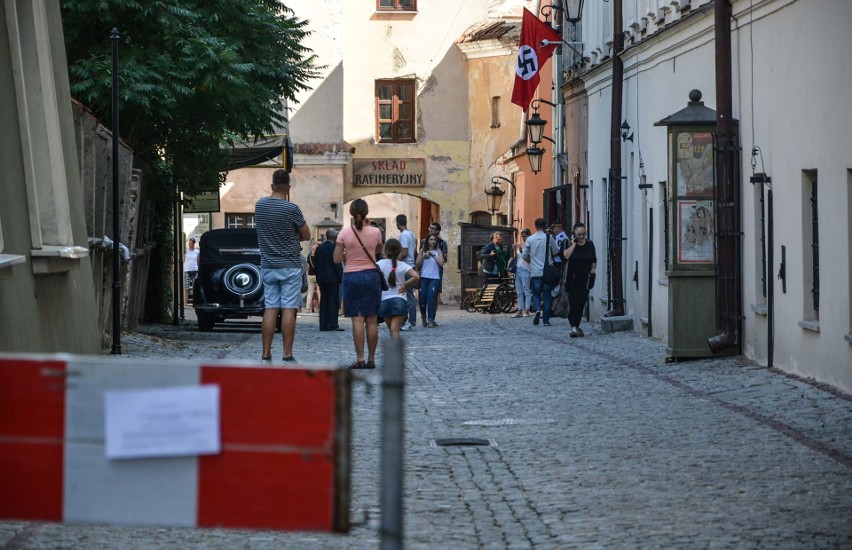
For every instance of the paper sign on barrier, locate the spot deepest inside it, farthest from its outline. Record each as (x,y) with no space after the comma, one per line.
(180,421)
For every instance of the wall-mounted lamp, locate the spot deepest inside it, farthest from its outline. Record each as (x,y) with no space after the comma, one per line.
(643,179)
(626,134)
(535,128)
(494,195)
(535,134)
(535,154)
(571,10)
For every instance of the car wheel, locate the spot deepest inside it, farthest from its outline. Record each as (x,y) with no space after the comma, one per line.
(243,279)
(206,321)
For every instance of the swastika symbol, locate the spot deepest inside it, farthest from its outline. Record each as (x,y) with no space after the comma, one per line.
(527,62)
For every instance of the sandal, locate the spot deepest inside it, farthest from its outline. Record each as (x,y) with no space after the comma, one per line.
(358,365)
(370,365)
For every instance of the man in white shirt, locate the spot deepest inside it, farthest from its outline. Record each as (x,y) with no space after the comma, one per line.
(540,248)
(190,269)
(407,255)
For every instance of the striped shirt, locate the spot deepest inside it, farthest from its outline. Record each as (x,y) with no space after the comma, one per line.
(278,222)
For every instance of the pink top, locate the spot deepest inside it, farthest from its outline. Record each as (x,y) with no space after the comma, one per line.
(356,260)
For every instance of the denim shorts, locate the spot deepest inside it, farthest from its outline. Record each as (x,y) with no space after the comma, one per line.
(282,287)
(393,307)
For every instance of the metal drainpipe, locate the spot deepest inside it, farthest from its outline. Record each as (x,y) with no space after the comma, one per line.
(770,336)
(615,245)
(559,113)
(727,220)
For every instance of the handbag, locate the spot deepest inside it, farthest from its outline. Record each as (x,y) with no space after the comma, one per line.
(552,273)
(381,273)
(561,305)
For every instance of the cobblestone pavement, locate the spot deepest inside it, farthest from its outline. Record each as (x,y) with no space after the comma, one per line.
(596,442)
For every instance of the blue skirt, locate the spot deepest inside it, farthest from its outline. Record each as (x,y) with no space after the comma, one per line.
(362,293)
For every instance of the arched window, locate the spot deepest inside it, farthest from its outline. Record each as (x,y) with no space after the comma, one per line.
(480,218)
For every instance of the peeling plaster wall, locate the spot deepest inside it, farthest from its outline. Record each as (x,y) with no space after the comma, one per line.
(420,46)
(313,187)
(317,113)
(490,77)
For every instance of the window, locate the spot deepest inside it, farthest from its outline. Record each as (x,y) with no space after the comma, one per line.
(239,220)
(395,111)
(849,245)
(810,249)
(760,228)
(396,5)
(815,244)
(480,218)
(495,112)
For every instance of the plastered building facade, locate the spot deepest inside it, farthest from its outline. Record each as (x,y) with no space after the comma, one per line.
(439,170)
(47,298)
(791,69)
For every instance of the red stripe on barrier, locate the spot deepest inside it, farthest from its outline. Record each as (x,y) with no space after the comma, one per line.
(32,429)
(276,469)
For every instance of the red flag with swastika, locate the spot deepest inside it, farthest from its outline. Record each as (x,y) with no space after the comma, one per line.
(531,56)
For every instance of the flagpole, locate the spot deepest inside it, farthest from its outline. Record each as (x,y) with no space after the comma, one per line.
(547,42)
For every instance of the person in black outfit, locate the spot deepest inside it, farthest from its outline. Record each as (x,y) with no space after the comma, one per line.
(580,276)
(329,276)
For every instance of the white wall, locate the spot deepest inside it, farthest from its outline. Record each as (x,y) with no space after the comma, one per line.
(802,73)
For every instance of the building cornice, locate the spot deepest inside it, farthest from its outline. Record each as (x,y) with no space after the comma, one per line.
(484,49)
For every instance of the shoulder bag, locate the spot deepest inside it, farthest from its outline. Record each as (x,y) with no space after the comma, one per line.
(381,273)
(552,273)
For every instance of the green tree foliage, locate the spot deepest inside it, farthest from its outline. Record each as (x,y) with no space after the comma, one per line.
(193,74)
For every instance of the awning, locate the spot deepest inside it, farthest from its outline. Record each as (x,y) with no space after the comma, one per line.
(255,152)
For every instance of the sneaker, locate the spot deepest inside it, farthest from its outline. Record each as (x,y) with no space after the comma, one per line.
(518,315)
(370,365)
(424,321)
(434,323)
(527,313)
(546,323)
(406,327)
(537,317)
(573,333)
(580,332)
(266,360)
(431,324)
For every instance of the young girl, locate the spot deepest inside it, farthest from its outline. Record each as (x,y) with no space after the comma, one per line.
(394,302)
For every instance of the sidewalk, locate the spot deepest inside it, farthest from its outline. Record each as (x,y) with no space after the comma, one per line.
(595,441)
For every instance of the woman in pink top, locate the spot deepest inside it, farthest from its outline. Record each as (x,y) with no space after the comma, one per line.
(362,288)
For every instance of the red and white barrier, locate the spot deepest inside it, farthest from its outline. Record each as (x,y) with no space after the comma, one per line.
(283,464)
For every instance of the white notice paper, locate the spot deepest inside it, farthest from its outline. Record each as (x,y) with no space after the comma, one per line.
(181,421)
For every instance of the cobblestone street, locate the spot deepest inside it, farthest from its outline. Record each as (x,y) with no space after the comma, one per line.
(596,442)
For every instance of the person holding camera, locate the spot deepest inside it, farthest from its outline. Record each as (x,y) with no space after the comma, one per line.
(582,259)
(428,264)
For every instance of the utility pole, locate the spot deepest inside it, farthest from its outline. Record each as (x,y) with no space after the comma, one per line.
(616,306)
(116,236)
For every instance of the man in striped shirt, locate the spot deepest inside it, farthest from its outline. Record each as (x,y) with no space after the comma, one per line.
(280,228)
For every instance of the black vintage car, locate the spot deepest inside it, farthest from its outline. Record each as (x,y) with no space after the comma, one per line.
(229,284)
